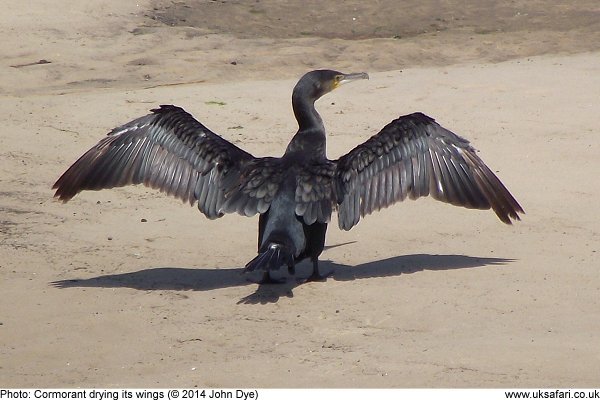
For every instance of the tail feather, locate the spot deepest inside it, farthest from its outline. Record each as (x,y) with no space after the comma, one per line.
(272,258)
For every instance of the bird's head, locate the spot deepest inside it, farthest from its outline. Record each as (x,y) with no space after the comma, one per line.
(315,84)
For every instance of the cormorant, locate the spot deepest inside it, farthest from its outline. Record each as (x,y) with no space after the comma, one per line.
(295,194)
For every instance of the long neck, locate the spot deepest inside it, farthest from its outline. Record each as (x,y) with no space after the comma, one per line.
(310,138)
(304,109)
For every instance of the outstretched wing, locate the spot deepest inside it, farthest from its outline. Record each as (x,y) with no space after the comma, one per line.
(171,151)
(412,157)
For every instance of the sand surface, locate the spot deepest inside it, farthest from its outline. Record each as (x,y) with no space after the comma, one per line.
(423,294)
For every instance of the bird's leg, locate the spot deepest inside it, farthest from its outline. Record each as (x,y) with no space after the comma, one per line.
(316,276)
(292,268)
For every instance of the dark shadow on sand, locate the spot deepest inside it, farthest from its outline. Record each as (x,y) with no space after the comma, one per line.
(171,278)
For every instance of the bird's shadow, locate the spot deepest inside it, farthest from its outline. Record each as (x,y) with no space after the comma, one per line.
(173,278)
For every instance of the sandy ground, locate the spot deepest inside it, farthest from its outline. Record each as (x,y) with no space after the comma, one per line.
(423,294)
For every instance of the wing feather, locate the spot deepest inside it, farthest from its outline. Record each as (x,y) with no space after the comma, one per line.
(314,194)
(171,151)
(396,185)
(414,157)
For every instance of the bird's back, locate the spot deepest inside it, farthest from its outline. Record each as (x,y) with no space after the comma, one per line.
(280,222)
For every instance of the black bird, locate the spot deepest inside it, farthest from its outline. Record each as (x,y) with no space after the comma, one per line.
(295,194)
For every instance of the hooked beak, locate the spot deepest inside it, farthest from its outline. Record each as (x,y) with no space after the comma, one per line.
(353,77)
